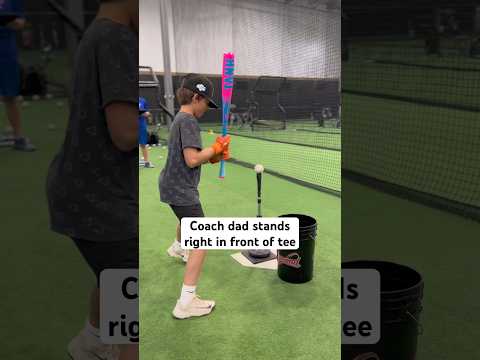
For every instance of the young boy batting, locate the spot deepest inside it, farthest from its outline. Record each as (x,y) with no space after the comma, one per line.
(180,178)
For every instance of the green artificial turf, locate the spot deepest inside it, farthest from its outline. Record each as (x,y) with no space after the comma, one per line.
(57,70)
(257,316)
(46,283)
(301,133)
(453,52)
(314,165)
(443,247)
(440,85)
(451,79)
(425,148)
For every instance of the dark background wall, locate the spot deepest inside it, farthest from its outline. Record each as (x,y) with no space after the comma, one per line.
(394,17)
(300,97)
(45,26)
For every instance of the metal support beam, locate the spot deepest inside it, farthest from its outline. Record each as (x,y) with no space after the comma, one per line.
(76,23)
(72,13)
(167,69)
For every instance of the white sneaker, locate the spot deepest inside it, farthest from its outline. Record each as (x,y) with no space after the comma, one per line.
(176,251)
(87,346)
(6,141)
(196,307)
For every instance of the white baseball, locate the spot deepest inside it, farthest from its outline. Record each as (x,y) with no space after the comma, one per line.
(259,168)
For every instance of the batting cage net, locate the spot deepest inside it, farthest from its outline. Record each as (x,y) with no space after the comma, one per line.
(411,104)
(285,111)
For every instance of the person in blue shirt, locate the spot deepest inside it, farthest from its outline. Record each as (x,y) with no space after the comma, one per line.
(10,70)
(143,115)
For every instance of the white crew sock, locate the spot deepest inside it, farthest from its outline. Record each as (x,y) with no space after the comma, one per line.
(187,295)
(92,330)
(177,247)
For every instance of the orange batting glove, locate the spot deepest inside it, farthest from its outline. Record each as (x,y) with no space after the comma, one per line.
(226,153)
(221,144)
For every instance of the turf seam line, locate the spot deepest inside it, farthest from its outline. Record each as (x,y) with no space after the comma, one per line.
(285,177)
(434,201)
(319,132)
(425,66)
(283,142)
(474,109)
(289,178)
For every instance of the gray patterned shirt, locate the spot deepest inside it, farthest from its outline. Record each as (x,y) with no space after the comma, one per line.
(92,187)
(178,183)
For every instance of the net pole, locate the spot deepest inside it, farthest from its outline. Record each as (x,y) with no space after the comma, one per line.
(167,78)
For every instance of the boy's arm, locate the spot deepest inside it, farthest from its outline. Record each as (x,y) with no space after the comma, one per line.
(117,69)
(195,157)
(122,122)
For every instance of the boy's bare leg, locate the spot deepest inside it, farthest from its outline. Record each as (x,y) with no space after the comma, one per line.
(13,115)
(189,304)
(129,352)
(94,316)
(194,267)
(144,153)
(178,232)
(88,341)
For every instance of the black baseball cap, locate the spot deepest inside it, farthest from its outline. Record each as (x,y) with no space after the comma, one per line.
(201,86)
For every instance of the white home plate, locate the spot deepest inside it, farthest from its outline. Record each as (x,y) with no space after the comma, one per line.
(242,260)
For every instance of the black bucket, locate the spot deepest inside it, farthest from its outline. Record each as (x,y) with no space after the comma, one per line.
(401,293)
(296,266)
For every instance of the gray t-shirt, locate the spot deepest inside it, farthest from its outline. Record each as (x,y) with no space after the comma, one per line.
(92,187)
(178,183)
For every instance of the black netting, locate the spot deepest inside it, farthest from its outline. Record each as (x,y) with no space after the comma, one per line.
(411,105)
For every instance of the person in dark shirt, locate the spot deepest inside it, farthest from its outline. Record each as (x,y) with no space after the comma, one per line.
(92,184)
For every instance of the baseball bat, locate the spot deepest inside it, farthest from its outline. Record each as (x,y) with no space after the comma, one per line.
(227,90)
